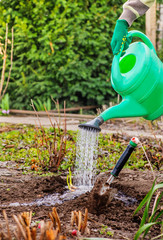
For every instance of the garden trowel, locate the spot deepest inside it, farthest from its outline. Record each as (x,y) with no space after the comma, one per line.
(102,194)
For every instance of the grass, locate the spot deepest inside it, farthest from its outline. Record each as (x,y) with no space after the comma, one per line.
(111,147)
(34,149)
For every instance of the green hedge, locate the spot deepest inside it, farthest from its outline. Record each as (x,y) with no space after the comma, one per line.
(61,49)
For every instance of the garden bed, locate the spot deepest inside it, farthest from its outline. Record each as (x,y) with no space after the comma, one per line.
(23,191)
(115,222)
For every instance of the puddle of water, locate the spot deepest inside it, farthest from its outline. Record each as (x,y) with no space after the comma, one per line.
(126,199)
(52,199)
(56,198)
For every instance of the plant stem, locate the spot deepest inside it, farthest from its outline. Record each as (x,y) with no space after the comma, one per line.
(11,60)
(4,61)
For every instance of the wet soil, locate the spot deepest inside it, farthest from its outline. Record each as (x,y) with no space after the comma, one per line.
(131,187)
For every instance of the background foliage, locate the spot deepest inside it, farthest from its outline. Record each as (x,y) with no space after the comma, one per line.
(61,49)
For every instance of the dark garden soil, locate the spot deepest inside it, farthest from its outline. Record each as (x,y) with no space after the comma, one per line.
(27,192)
(17,189)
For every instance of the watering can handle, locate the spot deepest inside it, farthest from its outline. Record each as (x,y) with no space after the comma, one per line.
(143,37)
(116,58)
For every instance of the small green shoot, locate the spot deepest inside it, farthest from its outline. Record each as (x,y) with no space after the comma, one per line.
(5,104)
(71,187)
(69,179)
(33,214)
(105,230)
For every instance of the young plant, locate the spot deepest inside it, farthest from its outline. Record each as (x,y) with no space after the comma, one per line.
(105,230)
(51,150)
(5,104)
(150,219)
(41,106)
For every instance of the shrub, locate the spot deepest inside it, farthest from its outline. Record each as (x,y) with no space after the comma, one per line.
(62,49)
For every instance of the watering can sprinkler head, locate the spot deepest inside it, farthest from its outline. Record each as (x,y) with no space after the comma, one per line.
(93,124)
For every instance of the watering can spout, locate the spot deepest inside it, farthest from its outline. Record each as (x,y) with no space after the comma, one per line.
(127,108)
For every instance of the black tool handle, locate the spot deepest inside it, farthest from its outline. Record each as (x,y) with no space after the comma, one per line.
(122,160)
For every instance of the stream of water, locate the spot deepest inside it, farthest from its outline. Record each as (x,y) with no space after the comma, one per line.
(86,158)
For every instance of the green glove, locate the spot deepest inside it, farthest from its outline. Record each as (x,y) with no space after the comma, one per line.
(120,37)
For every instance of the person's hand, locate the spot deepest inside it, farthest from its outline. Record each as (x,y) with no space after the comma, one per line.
(120,37)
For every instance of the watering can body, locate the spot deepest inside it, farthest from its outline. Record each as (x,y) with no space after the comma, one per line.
(138,78)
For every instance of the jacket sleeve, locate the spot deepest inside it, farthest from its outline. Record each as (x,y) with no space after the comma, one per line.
(132,9)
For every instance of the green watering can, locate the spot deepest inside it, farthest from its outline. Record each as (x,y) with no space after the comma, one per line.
(138,78)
